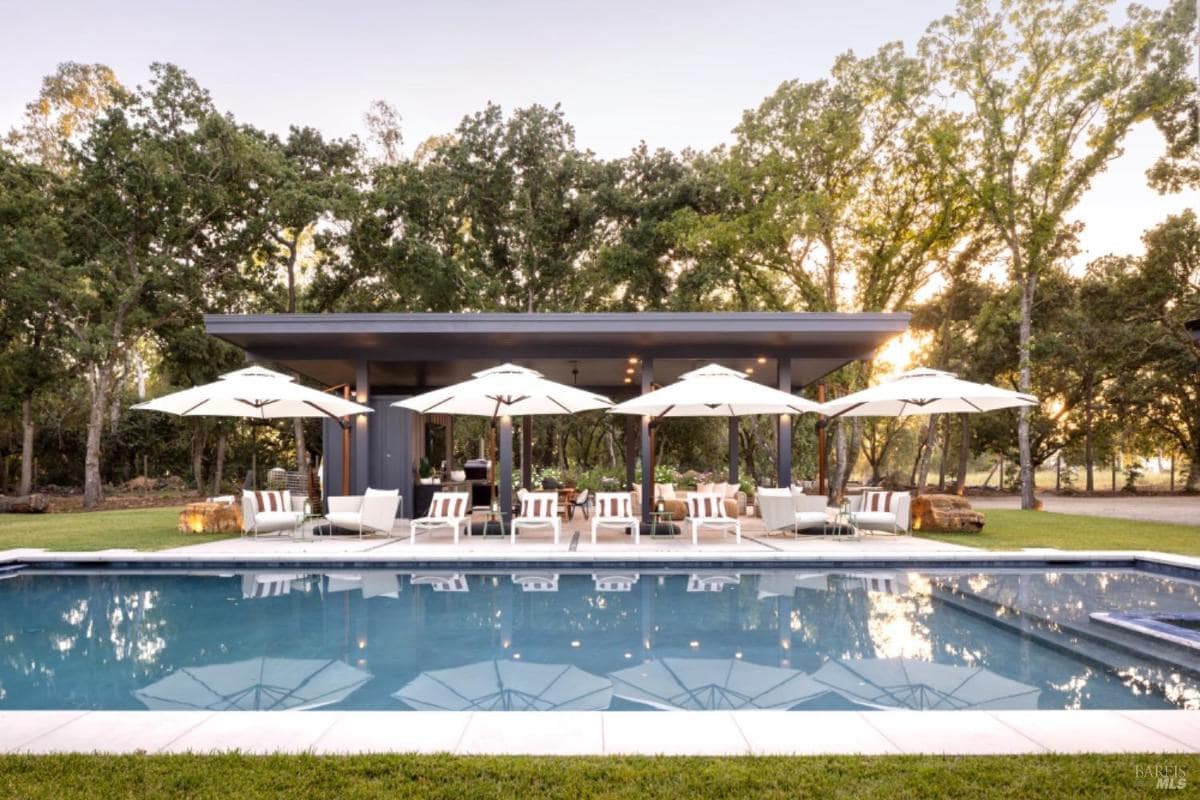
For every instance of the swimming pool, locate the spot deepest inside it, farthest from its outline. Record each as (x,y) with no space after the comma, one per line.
(603,639)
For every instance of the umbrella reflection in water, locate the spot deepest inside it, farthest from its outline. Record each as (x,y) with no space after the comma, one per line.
(508,686)
(256,684)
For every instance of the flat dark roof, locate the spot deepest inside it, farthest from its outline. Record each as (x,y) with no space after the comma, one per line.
(423,350)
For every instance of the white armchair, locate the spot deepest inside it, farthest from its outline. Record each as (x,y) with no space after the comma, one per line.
(272,512)
(880,510)
(375,511)
(811,510)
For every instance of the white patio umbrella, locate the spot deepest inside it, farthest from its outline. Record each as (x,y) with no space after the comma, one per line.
(257,393)
(256,684)
(714,391)
(508,686)
(924,391)
(505,391)
(710,684)
(911,683)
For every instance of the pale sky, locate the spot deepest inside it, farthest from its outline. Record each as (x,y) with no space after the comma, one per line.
(676,73)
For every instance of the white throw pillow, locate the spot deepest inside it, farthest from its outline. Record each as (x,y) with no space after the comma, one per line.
(664,490)
(731,490)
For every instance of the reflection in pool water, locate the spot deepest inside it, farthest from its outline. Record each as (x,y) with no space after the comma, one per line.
(541,640)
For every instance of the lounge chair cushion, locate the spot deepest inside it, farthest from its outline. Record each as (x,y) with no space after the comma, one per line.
(870,518)
(268,519)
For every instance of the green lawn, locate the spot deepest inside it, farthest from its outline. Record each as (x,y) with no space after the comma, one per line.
(138,529)
(347,777)
(1012,530)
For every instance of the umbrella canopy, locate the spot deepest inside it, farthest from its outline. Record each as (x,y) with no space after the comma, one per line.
(508,686)
(910,683)
(256,393)
(506,390)
(709,684)
(714,391)
(924,391)
(257,684)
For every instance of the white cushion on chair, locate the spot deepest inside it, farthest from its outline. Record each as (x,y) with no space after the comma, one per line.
(344,519)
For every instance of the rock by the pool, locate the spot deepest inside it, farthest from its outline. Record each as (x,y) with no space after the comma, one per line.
(945,513)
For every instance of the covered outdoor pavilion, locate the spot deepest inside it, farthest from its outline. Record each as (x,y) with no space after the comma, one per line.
(381,358)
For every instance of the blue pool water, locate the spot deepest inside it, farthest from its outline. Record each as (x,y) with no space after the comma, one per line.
(606,640)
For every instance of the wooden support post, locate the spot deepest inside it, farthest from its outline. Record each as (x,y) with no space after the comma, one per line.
(821,423)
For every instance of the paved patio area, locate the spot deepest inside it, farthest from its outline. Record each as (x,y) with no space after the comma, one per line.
(575,541)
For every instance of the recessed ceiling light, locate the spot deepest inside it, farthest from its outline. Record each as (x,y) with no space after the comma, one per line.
(629,370)
(629,380)
(749,370)
(633,360)
(762,359)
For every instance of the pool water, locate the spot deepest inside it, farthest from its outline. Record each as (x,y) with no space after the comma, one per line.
(606,640)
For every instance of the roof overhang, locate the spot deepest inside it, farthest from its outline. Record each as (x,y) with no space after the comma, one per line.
(426,350)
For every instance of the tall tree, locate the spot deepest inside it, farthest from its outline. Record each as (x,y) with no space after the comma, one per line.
(157,213)
(1161,378)
(1052,88)
(31,267)
(62,114)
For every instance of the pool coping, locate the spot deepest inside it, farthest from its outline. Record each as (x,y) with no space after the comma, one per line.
(565,733)
(1167,564)
(693,733)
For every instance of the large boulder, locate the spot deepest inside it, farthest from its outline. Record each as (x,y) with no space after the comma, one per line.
(24,504)
(945,513)
(211,518)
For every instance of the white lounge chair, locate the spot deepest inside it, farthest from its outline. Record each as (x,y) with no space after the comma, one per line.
(707,510)
(375,511)
(272,512)
(880,510)
(615,509)
(538,510)
(446,510)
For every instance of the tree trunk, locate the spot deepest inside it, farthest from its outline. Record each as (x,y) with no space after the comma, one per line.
(26,447)
(839,469)
(1193,473)
(219,463)
(1028,286)
(1089,453)
(301,449)
(199,438)
(945,425)
(99,387)
(926,453)
(964,455)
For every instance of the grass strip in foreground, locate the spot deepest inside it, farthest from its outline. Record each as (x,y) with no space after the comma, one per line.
(442,776)
(1006,529)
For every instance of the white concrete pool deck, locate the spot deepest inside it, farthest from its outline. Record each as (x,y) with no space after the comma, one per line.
(714,733)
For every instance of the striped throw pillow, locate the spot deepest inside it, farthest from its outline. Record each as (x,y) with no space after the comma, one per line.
(879,501)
